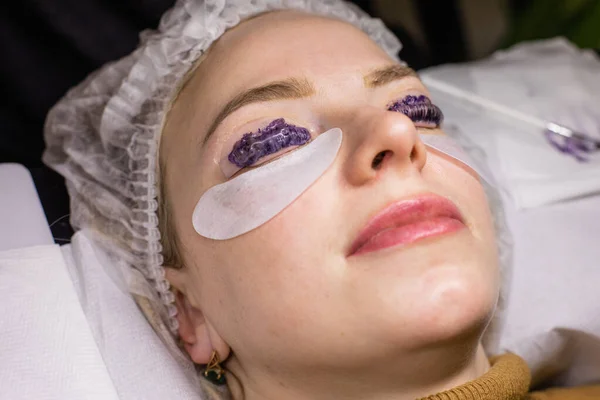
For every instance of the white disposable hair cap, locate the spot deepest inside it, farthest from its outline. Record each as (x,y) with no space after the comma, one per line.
(103,136)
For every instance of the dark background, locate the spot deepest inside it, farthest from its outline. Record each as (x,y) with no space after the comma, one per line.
(48,46)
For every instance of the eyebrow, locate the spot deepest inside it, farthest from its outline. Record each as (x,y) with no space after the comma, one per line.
(295,88)
(291,88)
(388,74)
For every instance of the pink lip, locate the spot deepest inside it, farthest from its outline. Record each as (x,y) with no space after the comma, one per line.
(407,221)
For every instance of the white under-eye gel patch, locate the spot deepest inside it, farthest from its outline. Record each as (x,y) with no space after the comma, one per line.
(447,145)
(246,202)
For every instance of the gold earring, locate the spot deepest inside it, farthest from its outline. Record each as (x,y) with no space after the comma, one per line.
(214,372)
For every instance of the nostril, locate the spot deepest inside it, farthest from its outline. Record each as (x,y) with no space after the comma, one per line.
(376,164)
(414,154)
(418,153)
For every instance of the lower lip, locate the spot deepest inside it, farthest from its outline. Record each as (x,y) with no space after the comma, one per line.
(407,234)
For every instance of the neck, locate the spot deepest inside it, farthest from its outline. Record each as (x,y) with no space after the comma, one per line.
(411,377)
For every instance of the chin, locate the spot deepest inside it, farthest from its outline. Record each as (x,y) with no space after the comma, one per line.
(443,304)
(457,304)
(430,293)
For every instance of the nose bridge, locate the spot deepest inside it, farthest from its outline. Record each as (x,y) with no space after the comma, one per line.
(378,140)
(385,124)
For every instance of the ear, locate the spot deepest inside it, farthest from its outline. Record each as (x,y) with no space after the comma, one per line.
(199,337)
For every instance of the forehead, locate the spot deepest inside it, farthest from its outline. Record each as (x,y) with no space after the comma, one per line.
(285,44)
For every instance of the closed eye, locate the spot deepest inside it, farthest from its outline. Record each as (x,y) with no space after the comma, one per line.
(266,144)
(420,110)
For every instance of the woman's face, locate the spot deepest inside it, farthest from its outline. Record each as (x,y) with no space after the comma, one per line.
(290,286)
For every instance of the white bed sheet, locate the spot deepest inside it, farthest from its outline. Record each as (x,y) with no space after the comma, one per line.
(22,219)
(553,315)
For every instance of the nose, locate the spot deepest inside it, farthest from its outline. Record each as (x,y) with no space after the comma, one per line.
(381,140)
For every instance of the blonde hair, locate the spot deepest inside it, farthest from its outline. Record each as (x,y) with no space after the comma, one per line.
(169,239)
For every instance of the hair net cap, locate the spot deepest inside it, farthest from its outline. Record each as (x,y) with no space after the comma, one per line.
(103,136)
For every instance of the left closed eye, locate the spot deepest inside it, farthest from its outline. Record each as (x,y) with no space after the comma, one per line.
(420,110)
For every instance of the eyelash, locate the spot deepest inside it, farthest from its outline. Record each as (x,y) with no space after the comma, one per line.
(270,140)
(420,110)
(279,135)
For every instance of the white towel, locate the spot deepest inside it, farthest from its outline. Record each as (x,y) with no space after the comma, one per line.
(139,363)
(47,351)
(70,330)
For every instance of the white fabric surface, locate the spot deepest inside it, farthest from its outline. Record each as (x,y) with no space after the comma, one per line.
(22,219)
(70,330)
(47,351)
(551,80)
(553,313)
(139,363)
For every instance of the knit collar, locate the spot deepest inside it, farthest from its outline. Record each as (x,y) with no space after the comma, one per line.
(508,379)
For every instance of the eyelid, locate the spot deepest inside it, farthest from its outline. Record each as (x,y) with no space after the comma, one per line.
(281,153)
(414,96)
(278,137)
(270,158)
(420,109)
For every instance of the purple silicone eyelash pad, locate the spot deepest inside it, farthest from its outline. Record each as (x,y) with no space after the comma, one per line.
(251,199)
(419,109)
(274,137)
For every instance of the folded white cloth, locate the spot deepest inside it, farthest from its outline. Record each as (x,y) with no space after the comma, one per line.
(553,313)
(140,364)
(71,330)
(22,219)
(47,350)
(551,80)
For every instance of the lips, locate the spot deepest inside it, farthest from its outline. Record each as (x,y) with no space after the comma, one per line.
(408,221)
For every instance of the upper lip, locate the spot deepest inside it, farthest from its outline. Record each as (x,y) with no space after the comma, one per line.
(405,212)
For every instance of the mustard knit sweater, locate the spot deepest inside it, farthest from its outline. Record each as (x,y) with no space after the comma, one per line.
(509,379)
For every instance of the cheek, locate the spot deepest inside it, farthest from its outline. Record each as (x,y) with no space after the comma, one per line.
(271,279)
(462,185)
(454,293)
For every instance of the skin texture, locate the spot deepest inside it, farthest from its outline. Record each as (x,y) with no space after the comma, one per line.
(294,316)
